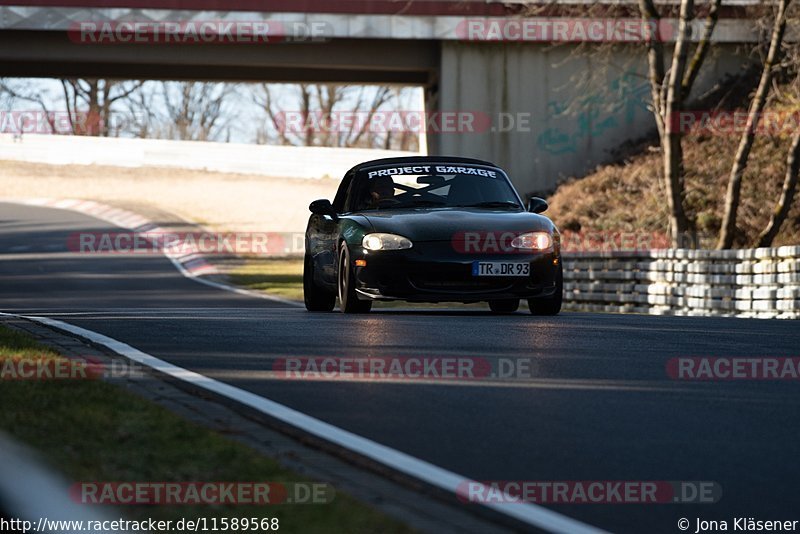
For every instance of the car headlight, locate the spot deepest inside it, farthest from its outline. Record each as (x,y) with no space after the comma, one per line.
(533,241)
(385,242)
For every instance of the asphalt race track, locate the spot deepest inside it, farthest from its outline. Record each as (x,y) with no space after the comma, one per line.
(598,406)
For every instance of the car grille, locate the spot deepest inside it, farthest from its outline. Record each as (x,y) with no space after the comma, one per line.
(456,284)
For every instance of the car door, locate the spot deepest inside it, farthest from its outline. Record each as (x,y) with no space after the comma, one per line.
(323,236)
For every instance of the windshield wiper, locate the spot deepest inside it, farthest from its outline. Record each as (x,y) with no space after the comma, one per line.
(492,204)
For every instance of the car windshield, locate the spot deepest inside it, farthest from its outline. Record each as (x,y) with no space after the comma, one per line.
(401,188)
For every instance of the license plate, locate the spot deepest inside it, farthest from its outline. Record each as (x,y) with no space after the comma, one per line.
(500,268)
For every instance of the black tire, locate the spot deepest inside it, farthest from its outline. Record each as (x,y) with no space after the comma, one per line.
(550,305)
(348,300)
(316,298)
(504,306)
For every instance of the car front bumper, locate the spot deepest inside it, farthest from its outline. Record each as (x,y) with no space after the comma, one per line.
(427,273)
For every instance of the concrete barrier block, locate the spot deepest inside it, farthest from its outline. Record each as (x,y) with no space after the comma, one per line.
(764,305)
(713,292)
(653,289)
(788,305)
(789,278)
(676,267)
(726,305)
(656,300)
(765,268)
(694,303)
(698,278)
(788,252)
(763,293)
(745,293)
(699,267)
(734,283)
(765,279)
(788,293)
(722,268)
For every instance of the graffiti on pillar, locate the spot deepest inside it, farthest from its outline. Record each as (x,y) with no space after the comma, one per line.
(597,113)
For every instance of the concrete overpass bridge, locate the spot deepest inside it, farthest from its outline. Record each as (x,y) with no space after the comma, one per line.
(555,110)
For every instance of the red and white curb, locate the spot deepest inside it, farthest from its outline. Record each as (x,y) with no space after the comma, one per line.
(190,262)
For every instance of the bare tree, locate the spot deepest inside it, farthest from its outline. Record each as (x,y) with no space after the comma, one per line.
(670,88)
(784,204)
(141,110)
(789,189)
(732,197)
(198,111)
(90,102)
(671,75)
(355,137)
(328,115)
(264,97)
(86,106)
(13,91)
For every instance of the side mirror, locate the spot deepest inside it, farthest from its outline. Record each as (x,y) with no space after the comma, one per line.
(322,207)
(537,205)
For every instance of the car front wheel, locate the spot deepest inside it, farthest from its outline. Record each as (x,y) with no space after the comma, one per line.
(316,298)
(348,300)
(550,305)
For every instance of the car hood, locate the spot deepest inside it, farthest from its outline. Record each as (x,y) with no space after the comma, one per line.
(447,224)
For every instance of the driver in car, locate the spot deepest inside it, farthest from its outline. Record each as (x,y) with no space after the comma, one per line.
(380,189)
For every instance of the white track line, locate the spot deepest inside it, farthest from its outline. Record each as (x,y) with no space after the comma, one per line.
(530,514)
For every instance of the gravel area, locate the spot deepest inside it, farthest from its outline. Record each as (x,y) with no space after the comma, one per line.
(218,201)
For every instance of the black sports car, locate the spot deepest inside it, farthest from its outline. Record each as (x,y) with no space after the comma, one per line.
(431,229)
